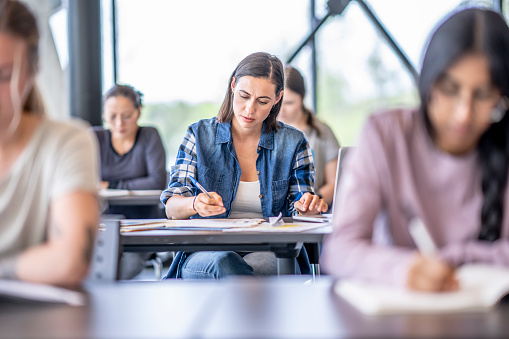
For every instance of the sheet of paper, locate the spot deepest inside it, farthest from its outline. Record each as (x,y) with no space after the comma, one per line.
(109,193)
(213,224)
(39,292)
(287,227)
(481,286)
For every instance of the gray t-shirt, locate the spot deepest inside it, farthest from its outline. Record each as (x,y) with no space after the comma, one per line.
(60,158)
(142,168)
(325,148)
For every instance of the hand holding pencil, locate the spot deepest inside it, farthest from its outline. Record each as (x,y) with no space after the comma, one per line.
(206,204)
(428,272)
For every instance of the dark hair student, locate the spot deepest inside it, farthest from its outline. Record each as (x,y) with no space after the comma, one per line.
(126,91)
(443,165)
(248,169)
(475,31)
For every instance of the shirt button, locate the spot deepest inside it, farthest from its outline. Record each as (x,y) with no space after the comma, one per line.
(259,148)
(258,172)
(260,196)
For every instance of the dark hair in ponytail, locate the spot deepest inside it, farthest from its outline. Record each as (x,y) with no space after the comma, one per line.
(484,32)
(294,81)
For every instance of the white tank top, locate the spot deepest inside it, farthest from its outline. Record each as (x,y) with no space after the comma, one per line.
(247,203)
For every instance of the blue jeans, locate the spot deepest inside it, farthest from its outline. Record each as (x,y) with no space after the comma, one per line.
(220,265)
(214,265)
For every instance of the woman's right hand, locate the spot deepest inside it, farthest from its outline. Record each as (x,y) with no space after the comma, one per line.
(206,206)
(430,274)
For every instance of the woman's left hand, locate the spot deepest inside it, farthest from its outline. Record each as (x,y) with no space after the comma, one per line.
(310,204)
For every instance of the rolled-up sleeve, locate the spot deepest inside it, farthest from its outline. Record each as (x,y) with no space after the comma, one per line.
(185,166)
(302,178)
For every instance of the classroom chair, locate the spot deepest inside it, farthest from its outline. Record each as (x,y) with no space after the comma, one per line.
(104,266)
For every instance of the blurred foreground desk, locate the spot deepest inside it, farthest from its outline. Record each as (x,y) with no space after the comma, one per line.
(238,308)
(285,245)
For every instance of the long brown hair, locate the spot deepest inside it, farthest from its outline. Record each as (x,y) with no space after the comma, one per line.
(17,20)
(258,65)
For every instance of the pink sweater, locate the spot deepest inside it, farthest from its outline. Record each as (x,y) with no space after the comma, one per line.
(394,174)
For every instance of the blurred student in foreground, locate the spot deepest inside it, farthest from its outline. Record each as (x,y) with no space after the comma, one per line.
(48,169)
(322,140)
(253,166)
(445,163)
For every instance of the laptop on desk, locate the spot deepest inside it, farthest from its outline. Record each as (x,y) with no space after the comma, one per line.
(328,216)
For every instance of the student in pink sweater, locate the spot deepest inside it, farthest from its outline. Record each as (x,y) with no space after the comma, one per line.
(445,163)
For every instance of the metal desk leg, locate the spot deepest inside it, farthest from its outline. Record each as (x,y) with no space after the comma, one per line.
(315,271)
(285,266)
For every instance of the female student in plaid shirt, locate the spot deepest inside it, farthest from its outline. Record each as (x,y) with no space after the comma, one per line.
(253,166)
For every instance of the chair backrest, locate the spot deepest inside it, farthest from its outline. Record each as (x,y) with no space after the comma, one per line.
(104,266)
(343,151)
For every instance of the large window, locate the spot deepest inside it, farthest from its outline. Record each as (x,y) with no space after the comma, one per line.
(180,54)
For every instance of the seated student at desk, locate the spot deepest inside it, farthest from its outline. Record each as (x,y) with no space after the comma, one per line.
(253,166)
(323,142)
(445,163)
(48,169)
(132,157)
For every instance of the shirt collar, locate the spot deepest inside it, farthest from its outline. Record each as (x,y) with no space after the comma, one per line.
(224,134)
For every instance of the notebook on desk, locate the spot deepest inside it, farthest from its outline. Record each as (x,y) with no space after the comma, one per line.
(481,288)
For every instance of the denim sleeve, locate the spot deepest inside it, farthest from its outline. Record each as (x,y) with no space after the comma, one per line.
(302,178)
(185,166)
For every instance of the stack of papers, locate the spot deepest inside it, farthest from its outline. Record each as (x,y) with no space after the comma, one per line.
(196,224)
(19,290)
(225,225)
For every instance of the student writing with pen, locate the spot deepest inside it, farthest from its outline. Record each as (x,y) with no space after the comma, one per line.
(445,163)
(251,165)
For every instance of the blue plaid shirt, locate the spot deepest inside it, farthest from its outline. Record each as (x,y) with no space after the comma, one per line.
(284,164)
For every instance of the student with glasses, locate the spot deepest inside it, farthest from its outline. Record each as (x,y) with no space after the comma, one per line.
(131,157)
(445,163)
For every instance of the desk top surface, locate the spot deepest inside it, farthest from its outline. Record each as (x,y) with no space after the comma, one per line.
(285,307)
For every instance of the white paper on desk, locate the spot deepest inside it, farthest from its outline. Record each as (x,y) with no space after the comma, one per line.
(39,292)
(217,224)
(481,287)
(111,193)
(286,228)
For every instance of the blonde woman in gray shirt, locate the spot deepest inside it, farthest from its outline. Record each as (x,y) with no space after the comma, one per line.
(48,170)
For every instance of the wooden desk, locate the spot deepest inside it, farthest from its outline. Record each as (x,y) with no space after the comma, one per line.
(286,246)
(237,308)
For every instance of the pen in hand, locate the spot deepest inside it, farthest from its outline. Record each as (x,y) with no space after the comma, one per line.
(421,237)
(200,187)
(428,272)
